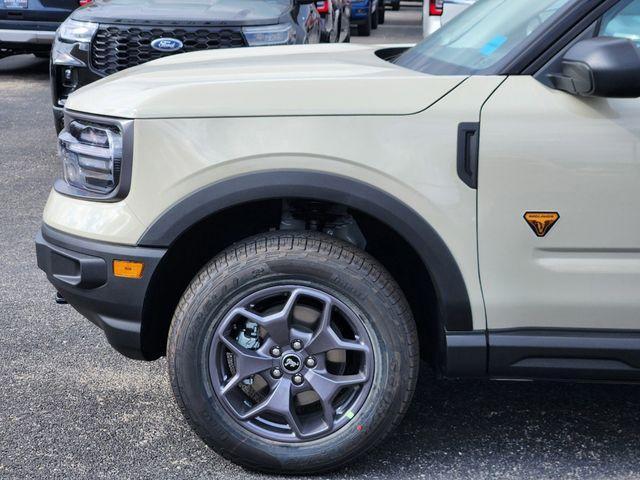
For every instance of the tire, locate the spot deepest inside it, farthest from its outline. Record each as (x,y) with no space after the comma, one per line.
(317,265)
(374,19)
(364,30)
(381,13)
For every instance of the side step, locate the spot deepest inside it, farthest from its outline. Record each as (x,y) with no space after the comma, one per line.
(597,355)
(544,354)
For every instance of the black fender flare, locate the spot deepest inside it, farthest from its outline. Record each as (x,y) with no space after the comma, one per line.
(455,307)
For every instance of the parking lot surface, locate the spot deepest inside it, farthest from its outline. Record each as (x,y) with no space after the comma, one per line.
(71,407)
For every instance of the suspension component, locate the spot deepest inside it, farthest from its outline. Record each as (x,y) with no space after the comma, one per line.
(334,220)
(248,336)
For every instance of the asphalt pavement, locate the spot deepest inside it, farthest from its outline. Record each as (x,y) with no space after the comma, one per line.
(71,407)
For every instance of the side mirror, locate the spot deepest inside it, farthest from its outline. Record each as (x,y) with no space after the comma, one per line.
(600,67)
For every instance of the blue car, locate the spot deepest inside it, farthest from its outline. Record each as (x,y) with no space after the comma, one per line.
(365,14)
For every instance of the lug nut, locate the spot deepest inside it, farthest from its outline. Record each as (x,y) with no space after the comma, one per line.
(297,379)
(297,345)
(275,352)
(276,373)
(310,362)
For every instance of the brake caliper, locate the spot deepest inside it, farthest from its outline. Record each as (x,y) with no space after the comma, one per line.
(248,336)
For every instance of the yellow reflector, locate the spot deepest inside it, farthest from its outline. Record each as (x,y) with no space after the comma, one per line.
(126,269)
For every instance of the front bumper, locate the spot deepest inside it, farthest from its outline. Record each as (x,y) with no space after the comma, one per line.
(18,42)
(81,270)
(42,37)
(58,118)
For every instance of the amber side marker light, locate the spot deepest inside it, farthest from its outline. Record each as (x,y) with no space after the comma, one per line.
(127,269)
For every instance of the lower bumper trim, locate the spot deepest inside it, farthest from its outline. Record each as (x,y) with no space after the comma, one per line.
(81,271)
(42,37)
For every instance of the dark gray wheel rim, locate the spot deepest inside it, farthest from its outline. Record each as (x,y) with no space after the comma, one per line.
(284,390)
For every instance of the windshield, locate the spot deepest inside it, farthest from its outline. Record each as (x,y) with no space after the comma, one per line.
(481,36)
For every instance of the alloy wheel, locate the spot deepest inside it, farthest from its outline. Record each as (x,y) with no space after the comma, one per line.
(291,363)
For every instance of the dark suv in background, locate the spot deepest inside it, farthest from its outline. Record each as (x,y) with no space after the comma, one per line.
(29,26)
(106,37)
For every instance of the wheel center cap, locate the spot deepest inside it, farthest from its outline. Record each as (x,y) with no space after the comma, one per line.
(291,363)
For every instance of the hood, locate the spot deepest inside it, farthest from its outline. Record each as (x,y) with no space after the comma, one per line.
(187,12)
(324,79)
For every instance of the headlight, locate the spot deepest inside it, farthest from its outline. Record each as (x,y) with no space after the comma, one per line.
(281,34)
(72,35)
(74,31)
(62,54)
(91,156)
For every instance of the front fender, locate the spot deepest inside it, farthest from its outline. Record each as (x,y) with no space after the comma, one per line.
(438,260)
(364,161)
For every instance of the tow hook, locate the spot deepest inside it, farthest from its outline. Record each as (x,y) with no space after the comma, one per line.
(60,299)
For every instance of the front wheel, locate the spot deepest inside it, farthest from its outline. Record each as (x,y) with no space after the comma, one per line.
(293,353)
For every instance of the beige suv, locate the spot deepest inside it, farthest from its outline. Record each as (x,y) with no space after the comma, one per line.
(480,214)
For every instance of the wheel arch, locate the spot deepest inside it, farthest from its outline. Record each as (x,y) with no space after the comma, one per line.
(220,199)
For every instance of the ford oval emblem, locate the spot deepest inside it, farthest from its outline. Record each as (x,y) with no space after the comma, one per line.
(166,44)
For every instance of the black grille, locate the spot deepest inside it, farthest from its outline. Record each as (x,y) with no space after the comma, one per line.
(116,47)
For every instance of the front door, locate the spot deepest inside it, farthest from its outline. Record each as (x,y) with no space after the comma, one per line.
(559,204)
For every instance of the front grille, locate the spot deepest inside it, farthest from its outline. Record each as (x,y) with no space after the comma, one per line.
(116,47)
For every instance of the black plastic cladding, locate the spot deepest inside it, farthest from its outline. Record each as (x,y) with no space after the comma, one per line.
(85,279)
(455,312)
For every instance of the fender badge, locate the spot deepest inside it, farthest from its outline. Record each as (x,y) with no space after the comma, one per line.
(541,222)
